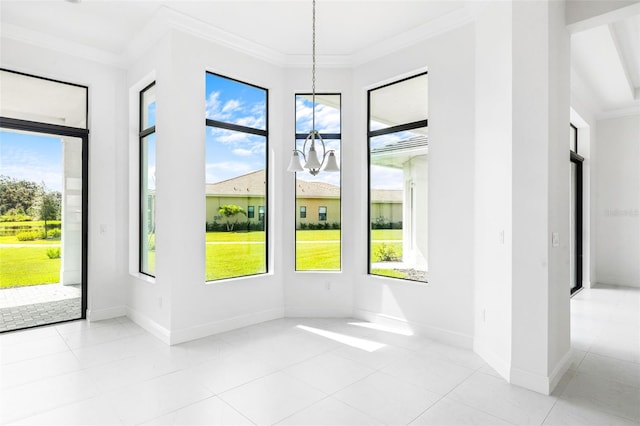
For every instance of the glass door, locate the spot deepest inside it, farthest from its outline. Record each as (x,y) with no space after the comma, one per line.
(43,200)
(41,229)
(575,224)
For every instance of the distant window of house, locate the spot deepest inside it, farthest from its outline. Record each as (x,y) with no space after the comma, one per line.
(398,179)
(236,172)
(322,213)
(147,200)
(323,236)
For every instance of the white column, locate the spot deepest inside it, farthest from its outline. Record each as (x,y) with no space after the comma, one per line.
(71,238)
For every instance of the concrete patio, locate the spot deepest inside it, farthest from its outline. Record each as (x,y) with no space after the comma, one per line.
(22,307)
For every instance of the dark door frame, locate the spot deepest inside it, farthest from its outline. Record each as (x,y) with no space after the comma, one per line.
(578,160)
(83,134)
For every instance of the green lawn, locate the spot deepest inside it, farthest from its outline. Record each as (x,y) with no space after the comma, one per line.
(252,256)
(317,250)
(23,266)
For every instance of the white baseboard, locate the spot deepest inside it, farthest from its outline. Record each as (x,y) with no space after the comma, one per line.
(539,383)
(105,314)
(150,325)
(560,370)
(215,327)
(501,366)
(445,336)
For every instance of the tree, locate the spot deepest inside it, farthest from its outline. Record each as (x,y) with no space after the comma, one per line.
(18,195)
(229,211)
(48,207)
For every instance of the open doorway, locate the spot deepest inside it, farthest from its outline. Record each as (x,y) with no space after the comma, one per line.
(43,199)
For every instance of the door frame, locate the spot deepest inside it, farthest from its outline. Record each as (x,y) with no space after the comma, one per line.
(578,160)
(83,134)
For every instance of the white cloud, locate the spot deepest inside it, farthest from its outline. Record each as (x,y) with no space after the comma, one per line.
(242,152)
(231,105)
(386,178)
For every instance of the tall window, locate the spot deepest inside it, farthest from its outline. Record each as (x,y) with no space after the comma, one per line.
(236,163)
(398,179)
(318,238)
(148,180)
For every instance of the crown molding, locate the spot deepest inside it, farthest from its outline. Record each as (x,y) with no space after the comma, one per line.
(430,29)
(167,19)
(20,34)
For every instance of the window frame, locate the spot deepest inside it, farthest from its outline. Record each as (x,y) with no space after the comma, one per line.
(324,136)
(380,132)
(574,141)
(320,213)
(251,212)
(262,211)
(142,134)
(303,212)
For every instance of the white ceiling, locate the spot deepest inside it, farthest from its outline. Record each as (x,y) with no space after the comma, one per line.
(605,59)
(605,63)
(343,26)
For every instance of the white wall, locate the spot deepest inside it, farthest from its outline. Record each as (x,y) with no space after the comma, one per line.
(617,201)
(319,293)
(492,181)
(540,310)
(107,124)
(178,305)
(443,308)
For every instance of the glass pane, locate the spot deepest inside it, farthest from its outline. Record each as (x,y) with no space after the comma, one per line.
(398,205)
(399,103)
(36,99)
(234,102)
(236,180)
(327,113)
(148,107)
(147,205)
(573,224)
(318,198)
(40,229)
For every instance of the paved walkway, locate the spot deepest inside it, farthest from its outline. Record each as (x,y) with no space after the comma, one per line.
(22,307)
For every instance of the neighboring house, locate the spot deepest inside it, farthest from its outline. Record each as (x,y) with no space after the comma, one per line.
(316,202)
(246,191)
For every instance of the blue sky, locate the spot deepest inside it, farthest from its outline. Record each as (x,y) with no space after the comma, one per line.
(32,157)
(229,153)
(327,120)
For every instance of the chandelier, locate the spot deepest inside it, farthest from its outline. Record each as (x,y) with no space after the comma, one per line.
(311,162)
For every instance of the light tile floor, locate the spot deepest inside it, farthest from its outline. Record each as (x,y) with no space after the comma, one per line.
(114,373)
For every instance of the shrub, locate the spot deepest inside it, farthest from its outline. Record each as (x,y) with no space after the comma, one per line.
(385,253)
(151,240)
(335,225)
(53,233)
(28,235)
(53,253)
(304,225)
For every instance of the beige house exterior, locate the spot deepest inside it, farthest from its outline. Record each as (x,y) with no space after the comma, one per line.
(316,202)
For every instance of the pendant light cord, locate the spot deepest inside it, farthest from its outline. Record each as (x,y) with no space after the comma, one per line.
(313,69)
